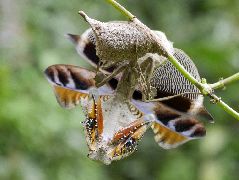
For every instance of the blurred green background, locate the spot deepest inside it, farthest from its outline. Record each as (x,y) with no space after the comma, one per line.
(39,140)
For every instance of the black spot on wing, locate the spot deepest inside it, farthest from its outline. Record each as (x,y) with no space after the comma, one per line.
(137,95)
(113,83)
(91,124)
(63,77)
(130,142)
(79,83)
(180,103)
(50,73)
(90,52)
(110,69)
(200,131)
(165,113)
(165,118)
(184,125)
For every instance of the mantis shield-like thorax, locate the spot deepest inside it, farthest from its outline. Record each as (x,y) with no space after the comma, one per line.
(122,41)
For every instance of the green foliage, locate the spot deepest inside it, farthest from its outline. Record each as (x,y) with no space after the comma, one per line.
(40,140)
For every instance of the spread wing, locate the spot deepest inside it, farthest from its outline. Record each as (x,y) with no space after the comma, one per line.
(176,119)
(168,81)
(171,127)
(71,84)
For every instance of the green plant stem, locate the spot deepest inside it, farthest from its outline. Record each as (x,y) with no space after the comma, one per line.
(186,74)
(206,89)
(223,82)
(225,107)
(120,8)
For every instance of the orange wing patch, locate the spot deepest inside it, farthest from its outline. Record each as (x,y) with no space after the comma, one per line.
(126,140)
(94,122)
(68,98)
(166,137)
(129,130)
(99,116)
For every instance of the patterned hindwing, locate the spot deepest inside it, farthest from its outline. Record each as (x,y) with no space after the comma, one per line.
(68,98)
(177,132)
(173,128)
(71,84)
(176,117)
(169,81)
(126,140)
